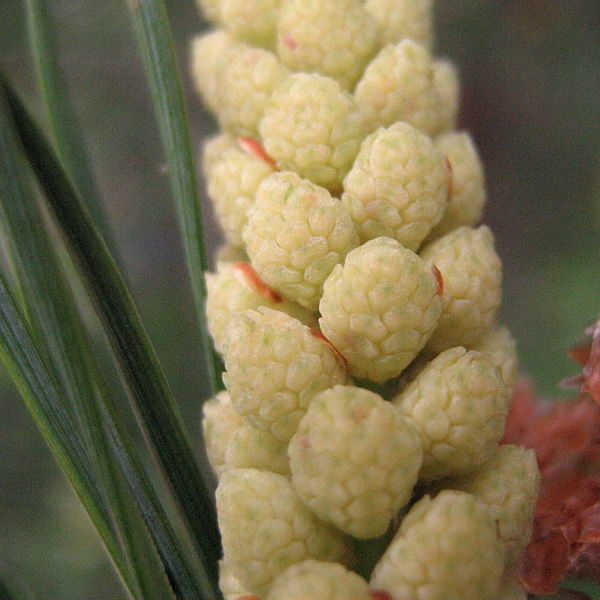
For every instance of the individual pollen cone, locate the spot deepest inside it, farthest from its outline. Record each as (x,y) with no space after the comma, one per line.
(446,548)
(232,183)
(245,78)
(467,190)
(313,127)
(236,287)
(380,308)
(296,234)
(275,366)
(317,580)
(335,38)
(472,275)
(397,187)
(508,484)
(399,85)
(458,404)
(502,347)
(252,22)
(265,528)
(355,460)
(399,19)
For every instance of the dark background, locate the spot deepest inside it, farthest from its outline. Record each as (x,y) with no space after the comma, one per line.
(531,98)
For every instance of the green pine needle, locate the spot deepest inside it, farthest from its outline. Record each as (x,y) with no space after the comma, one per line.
(39,391)
(61,115)
(156,45)
(135,355)
(60,336)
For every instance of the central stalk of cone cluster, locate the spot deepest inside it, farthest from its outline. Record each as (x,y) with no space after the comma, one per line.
(355,305)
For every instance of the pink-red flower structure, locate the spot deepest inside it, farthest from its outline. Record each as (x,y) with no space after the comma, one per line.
(566,439)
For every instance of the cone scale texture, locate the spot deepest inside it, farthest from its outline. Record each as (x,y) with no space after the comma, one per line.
(355,305)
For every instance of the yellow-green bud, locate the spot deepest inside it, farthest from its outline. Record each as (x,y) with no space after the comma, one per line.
(354,460)
(398,186)
(508,484)
(472,276)
(445,548)
(246,77)
(313,127)
(335,38)
(317,580)
(275,366)
(399,85)
(295,236)
(265,528)
(458,404)
(380,308)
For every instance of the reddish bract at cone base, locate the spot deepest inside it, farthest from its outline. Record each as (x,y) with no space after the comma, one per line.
(256,149)
(439,279)
(316,333)
(566,439)
(256,283)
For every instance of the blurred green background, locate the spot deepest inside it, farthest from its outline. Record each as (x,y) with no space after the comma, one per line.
(531,98)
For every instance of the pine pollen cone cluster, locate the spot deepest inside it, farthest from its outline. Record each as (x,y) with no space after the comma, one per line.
(355,306)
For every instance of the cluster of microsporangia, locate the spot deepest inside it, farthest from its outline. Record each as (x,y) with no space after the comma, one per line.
(355,305)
